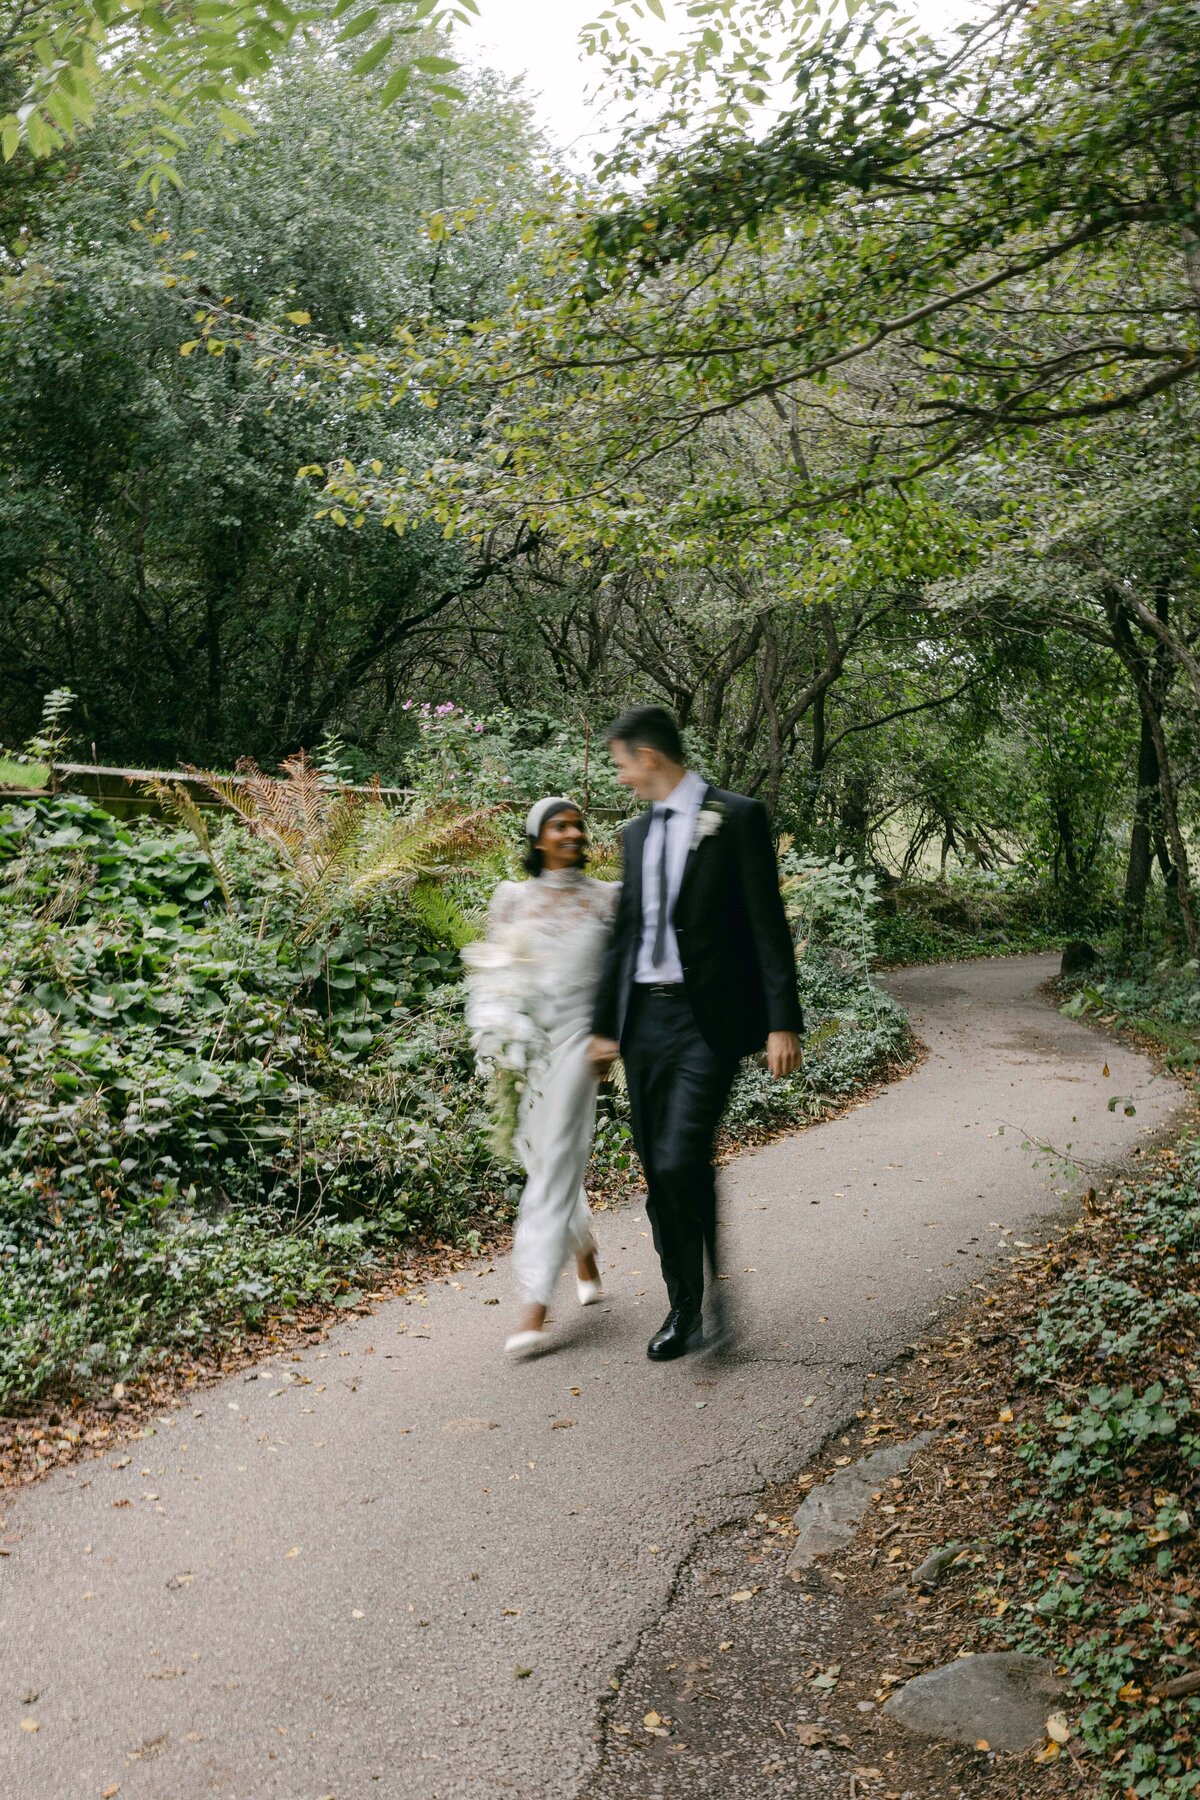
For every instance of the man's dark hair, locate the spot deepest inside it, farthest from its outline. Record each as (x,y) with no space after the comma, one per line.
(651,726)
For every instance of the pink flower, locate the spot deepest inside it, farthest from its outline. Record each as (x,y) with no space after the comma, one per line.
(446,707)
(408,705)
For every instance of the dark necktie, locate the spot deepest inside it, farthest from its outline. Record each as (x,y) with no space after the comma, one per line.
(660,925)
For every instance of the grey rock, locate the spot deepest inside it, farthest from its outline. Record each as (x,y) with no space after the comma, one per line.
(1078,957)
(930,1572)
(1003,1698)
(831,1514)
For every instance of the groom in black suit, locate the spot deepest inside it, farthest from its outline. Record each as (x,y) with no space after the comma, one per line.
(700,972)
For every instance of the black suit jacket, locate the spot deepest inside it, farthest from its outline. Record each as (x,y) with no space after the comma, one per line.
(739,963)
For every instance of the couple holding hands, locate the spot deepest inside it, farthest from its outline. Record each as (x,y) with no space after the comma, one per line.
(682,970)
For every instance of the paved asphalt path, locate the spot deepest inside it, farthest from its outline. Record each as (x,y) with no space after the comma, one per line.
(392,1566)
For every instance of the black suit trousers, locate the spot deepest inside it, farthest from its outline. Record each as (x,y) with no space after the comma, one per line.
(678,1086)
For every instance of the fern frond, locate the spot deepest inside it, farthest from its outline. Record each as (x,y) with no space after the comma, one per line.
(418,846)
(233,794)
(441,916)
(179,805)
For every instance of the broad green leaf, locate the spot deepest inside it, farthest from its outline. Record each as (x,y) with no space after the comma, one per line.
(374,56)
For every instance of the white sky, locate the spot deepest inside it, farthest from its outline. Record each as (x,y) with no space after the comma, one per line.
(539,38)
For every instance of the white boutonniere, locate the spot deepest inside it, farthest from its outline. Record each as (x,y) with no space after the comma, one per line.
(709,821)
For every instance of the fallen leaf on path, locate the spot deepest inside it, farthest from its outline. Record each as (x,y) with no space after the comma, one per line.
(651,1720)
(30,1725)
(522,1674)
(828,1677)
(111,1792)
(294,1551)
(562,1425)
(1057,1728)
(744,1594)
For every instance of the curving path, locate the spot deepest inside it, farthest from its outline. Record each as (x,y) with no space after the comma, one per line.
(392,1566)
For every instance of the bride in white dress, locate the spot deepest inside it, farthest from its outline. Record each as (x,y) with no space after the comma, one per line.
(531,985)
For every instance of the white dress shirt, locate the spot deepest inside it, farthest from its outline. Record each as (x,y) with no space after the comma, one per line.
(684,803)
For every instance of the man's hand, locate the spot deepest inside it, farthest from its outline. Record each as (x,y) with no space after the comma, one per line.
(784,1055)
(604,1053)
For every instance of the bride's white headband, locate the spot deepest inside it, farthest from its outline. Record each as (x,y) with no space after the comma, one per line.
(539,813)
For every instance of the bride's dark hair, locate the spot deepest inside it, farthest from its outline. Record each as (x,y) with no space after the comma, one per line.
(533,861)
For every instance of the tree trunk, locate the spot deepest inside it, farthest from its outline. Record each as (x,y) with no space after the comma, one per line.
(1137,871)
(1135,661)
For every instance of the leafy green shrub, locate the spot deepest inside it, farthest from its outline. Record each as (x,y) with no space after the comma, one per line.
(1158,998)
(831,904)
(965,917)
(1111,1468)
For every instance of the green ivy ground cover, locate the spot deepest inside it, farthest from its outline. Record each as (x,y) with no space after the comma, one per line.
(1102,1534)
(207,1119)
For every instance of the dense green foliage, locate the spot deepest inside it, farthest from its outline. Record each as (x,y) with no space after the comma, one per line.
(60,58)
(1111,1459)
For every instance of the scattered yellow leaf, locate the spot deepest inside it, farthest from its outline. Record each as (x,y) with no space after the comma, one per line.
(1057,1729)
(1047,1753)
(299,317)
(294,1551)
(743,1594)
(651,1720)
(30,1725)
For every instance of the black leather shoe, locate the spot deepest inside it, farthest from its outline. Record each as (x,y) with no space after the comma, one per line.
(679,1332)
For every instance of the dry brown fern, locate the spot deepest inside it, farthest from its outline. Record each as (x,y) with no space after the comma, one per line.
(336,845)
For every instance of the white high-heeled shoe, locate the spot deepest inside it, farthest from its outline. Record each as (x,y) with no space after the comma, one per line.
(589,1291)
(525,1343)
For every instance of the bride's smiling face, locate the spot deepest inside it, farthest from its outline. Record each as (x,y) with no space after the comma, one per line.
(563,840)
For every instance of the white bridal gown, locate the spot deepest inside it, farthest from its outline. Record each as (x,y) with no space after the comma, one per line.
(534,987)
